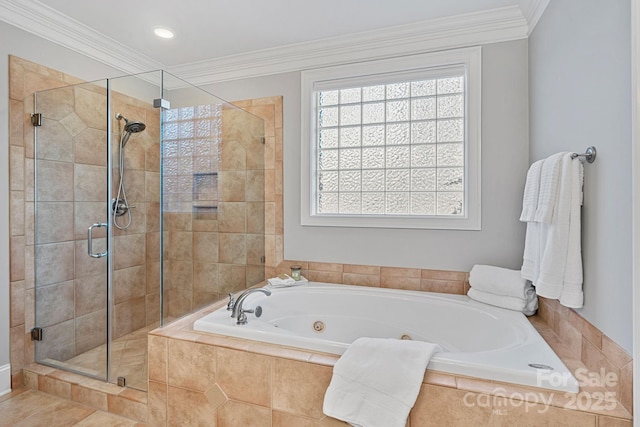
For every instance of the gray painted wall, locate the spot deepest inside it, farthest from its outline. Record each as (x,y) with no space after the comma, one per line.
(580,95)
(20,43)
(504,163)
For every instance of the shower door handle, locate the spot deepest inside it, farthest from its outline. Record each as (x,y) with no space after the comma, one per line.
(90,241)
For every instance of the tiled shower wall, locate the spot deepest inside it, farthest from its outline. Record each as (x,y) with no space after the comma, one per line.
(213,252)
(70,292)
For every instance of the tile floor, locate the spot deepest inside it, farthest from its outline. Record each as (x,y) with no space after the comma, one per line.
(31,408)
(129,359)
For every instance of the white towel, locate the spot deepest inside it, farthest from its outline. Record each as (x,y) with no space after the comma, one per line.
(497,280)
(284,281)
(531,192)
(572,295)
(548,194)
(552,257)
(377,380)
(527,305)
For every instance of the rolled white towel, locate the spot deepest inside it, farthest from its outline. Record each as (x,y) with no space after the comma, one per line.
(497,281)
(528,305)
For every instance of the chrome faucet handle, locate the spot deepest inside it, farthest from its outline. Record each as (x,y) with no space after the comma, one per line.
(231,302)
(242,317)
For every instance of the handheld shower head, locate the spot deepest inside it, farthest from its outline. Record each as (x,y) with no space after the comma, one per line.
(130,127)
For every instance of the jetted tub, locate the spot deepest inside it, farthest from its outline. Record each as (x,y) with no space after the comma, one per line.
(478,340)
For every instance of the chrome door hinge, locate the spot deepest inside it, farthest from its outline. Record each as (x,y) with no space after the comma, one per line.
(36,119)
(36,334)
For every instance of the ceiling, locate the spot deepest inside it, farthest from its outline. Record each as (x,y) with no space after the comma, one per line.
(208,30)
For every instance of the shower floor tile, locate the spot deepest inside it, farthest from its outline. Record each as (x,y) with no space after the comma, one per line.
(128,359)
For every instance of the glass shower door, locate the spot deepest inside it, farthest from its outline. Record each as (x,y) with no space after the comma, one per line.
(71,217)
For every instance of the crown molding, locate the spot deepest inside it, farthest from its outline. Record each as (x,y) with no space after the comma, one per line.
(46,22)
(491,26)
(471,29)
(532,11)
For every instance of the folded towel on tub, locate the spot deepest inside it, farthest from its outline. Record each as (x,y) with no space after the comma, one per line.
(527,305)
(497,280)
(284,281)
(377,380)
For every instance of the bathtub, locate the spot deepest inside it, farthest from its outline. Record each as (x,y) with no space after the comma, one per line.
(478,340)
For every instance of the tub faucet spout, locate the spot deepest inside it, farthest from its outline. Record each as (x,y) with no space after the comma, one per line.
(238,312)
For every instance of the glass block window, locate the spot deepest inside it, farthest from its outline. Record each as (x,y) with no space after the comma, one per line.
(190,141)
(392,149)
(393,143)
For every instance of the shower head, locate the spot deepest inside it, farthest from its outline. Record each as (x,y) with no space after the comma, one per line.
(130,127)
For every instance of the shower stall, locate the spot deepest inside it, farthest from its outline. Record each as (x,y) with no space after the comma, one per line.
(149,203)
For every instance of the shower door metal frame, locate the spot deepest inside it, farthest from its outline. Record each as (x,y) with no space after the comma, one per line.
(110,300)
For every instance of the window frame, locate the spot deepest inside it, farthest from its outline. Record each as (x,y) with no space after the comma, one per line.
(361,74)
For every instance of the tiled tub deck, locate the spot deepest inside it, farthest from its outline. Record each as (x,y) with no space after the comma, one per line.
(205,379)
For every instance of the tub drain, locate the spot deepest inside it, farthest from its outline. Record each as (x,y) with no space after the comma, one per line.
(318,326)
(406,337)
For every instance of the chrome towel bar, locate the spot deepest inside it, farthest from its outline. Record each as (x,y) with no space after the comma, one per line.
(590,155)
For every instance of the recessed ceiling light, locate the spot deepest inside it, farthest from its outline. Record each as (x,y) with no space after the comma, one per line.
(163,32)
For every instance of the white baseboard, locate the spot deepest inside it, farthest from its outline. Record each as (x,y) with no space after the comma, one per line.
(5,379)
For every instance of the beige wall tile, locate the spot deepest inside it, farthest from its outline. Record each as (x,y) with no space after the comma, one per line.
(323,266)
(129,283)
(129,251)
(55,303)
(16,244)
(616,354)
(90,183)
(232,248)
(232,185)
(55,222)
(232,217)
(445,286)
(625,387)
(322,276)
(86,265)
(90,147)
(188,408)
(394,282)
(244,376)
(16,168)
(54,142)
(87,396)
(298,387)
(54,263)
(127,408)
(440,406)
(362,269)
(157,356)
(400,272)
(586,329)
(129,316)
(17,212)
(361,279)
(91,107)
(191,365)
(91,331)
(54,386)
(231,278)
(157,404)
(16,347)
(613,422)
(282,419)
(56,181)
(233,414)
(17,301)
